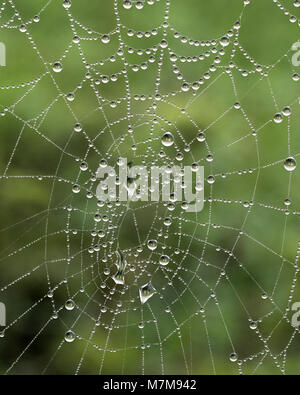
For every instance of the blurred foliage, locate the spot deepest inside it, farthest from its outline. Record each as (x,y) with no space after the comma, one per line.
(37,139)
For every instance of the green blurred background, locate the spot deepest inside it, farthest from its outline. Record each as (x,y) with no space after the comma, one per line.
(44,246)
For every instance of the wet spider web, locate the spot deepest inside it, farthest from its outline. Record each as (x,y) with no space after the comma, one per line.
(207,292)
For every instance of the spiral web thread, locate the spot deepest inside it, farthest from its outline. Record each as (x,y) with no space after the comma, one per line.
(223,302)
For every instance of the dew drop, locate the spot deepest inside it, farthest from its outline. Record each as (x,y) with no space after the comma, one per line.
(179,156)
(105,38)
(67,4)
(69,336)
(163,43)
(164,260)
(224,41)
(210,179)
(22,28)
(139,5)
(77,128)
(121,261)
(199,186)
(209,158)
(152,245)
(167,221)
(119,277)
(167,139)
(253,325)
(278,118)
(76,188)
(76,39)
(103,163)
(57,67)
(70,96)
(287,111)
(97,217)
(83,166)
(185,87)
(195,86)
(237,25)
(201,137)
(146,292)
(233,357)
(69,305)
(290,164)
(173,57)
(127,4)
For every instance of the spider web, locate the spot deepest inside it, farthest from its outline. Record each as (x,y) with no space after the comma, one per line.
(88,85)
